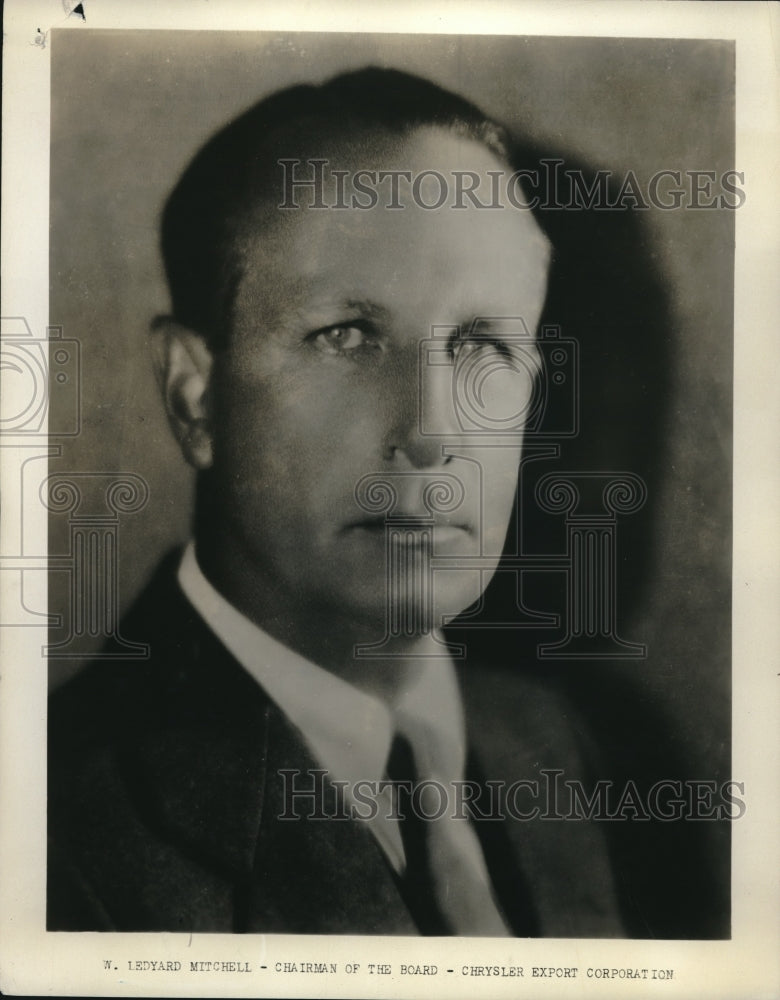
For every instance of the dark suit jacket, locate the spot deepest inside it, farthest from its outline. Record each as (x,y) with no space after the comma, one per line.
(165,791)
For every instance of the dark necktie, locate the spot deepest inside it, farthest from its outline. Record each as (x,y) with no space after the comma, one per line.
(417,881)
(445,884)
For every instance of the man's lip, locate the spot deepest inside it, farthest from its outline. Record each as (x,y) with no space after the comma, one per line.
(410,522)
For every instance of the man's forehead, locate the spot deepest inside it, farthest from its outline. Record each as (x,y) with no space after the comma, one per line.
(388,189)
(373,169)
(388,289)
(329,251)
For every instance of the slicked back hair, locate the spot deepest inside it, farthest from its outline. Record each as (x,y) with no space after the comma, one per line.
(236,169)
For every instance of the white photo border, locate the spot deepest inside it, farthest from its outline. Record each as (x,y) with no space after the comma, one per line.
(36,962)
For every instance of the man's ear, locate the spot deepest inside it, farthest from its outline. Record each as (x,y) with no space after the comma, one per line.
(183,363)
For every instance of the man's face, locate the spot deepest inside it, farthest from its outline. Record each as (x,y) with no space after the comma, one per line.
(324,384)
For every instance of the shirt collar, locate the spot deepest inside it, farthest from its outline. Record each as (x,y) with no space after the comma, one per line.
(348,731)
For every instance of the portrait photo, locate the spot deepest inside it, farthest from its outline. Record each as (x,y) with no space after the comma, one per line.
(436,422)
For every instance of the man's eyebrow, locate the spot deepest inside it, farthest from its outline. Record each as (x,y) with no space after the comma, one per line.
(325,309)
(475,325)
(340,309)
(371,310)
(507,325)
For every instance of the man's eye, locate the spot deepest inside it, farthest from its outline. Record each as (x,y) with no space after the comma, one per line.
(340,339)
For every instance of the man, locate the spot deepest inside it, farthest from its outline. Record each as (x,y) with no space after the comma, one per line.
(314,368)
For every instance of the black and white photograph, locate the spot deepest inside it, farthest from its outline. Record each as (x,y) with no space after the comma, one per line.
(377,519)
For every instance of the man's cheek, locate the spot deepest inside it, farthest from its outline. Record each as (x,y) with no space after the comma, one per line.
(500,474)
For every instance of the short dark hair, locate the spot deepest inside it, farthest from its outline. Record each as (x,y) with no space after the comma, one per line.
(232,171)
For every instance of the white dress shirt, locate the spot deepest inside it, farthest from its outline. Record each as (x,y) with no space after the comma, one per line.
(349,732)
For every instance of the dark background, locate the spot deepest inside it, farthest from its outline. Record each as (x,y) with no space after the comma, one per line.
(648,293)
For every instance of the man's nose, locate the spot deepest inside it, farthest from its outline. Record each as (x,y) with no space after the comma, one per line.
(422,412)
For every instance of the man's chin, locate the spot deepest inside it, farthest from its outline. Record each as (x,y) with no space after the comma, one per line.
(411,607)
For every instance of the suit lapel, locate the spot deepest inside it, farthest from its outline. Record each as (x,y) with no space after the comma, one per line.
(317,872)
(211,767)
(558,870)
(197,766)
